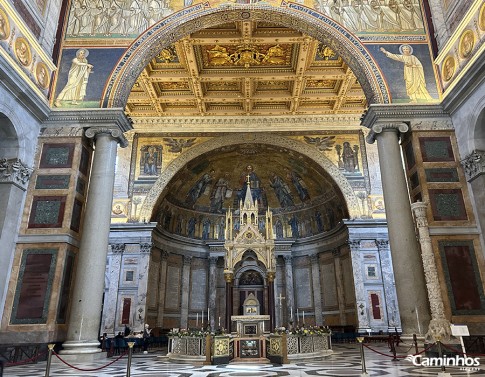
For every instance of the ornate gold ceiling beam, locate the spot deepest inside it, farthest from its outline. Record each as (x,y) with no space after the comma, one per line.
(345,86)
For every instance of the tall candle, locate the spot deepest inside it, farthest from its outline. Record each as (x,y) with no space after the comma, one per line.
(208,315)
(297,316)
(303,317)
(219,321)
(197,321)
(291,316)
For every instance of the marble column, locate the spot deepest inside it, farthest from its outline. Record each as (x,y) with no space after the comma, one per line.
(271,299)
(339,278)
(439,326)
(184,310)
(317,290)
(14,177)
(361,301)
(162,288)
(229,278)
(212,290)
(474,166)
(408,270)
(87,295)
(393,319)
(290,291)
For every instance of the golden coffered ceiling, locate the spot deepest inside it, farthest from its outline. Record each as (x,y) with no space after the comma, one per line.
(246,68)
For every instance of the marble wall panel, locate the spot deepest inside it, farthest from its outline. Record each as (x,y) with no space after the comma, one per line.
(303,287)
(198,290)
(172,301)
(329,286)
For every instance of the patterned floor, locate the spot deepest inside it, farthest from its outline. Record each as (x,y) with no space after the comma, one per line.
(344,362)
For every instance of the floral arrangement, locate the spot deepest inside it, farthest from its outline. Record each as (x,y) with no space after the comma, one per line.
(189,333)
(303,330)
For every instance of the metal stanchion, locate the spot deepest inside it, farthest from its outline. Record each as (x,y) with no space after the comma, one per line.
(130,355)
(49,356)
(443,372)
(360,339)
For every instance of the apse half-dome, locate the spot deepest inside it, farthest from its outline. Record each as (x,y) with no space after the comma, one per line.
(304,199)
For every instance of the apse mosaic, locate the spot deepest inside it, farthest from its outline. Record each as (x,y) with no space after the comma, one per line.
(304,199)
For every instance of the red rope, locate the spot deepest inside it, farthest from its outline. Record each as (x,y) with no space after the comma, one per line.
(462,353)
(89,370)
(26,361)
(399,357)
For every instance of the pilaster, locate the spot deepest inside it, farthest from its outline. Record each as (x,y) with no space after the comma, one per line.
(360,296)
(162,287)
(212,290)
(317,292)
(184,312)
(393,319)
(290,292)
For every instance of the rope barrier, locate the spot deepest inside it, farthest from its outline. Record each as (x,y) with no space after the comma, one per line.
(462,353)
(26,361)
(89,370)
(395,356)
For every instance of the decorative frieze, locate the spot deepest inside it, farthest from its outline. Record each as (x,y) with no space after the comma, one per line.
(474,164)
(14,171)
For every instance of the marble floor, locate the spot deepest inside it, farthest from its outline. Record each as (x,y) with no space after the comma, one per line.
(344,362)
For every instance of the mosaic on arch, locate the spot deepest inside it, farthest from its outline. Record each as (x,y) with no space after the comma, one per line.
(126,19)
(380,24)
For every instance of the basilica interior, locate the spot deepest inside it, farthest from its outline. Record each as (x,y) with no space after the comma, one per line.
(163,161)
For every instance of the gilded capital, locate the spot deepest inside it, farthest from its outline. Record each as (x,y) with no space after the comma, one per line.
(270,275)
(228,277)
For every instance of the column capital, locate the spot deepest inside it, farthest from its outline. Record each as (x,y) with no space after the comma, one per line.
(354,245)
(228,276)
(271,275)
(115,133)
(145,247)
(14,171)
(164,254)
(419,210)
(336,252)
(382,244)
(379,128)
(213,260)
(288,259)
(474,164)
(118,248)
(187,260)
(314,258)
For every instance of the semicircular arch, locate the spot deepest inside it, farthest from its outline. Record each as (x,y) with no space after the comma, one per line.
(192,19)
(157,190)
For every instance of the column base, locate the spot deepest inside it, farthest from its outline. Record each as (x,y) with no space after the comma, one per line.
(75,347)
(80,358)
